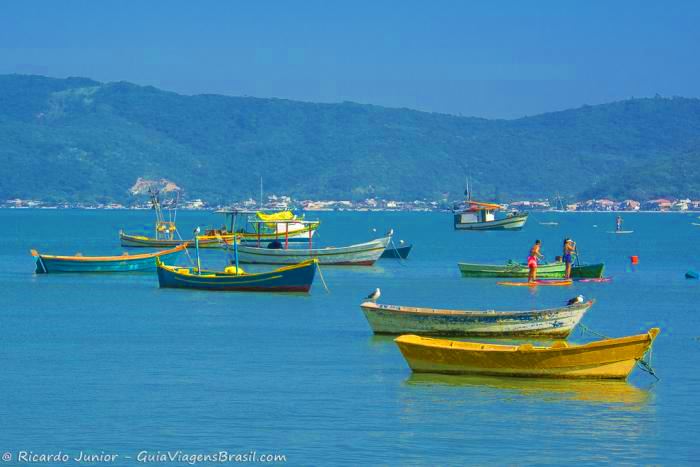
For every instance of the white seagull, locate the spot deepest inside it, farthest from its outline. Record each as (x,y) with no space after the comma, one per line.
(573,301)
(374,296)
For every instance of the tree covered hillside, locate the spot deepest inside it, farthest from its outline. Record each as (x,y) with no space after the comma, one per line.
(80,140)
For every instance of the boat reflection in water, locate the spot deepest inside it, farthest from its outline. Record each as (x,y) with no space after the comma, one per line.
(551,390)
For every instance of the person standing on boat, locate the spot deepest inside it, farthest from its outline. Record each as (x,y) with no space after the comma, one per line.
(532,259)
(567,257)
(618,224)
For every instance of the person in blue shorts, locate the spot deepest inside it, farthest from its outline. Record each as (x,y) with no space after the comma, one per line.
(568,255)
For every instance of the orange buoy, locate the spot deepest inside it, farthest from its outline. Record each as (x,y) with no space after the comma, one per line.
(634,259)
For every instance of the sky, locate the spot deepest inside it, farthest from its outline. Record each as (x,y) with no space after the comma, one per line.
(491,59)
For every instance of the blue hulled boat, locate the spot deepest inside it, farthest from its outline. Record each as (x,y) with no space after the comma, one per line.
(123,263)
(294,278)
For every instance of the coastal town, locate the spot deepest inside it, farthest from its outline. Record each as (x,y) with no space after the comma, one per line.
(274,202)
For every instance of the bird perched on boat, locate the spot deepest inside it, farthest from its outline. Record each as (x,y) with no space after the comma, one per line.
(374,296)
(575,300)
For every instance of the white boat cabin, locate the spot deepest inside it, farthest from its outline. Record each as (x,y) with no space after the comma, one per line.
(471,217)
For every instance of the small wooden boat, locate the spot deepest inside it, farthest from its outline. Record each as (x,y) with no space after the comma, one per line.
(552,322)
(539,282)
(142,241)
(604,359)
(295,278)
(397,252)
(362,254)
(123,263)
(481,216)
(545,270)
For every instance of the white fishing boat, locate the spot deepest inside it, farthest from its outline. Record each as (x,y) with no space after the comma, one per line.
(482,216)
(551,322)
(361,254)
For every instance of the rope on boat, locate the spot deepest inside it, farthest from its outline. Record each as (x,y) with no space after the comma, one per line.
(393,245)
(43,267)
(226,247)
(585,329)
(186,248)
(643,363)
(323,281)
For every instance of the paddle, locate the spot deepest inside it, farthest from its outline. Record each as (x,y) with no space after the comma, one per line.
(578,257)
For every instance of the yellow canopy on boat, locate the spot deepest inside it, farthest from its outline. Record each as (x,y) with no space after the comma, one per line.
(275,216)
(477,205)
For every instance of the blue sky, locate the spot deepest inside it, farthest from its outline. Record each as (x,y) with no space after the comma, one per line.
(493,59)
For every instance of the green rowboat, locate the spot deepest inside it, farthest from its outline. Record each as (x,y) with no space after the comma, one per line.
(544,271)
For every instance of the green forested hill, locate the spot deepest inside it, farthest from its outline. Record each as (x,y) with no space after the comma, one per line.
(80,140)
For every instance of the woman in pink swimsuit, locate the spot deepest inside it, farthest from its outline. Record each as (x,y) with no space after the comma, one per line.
(532,261)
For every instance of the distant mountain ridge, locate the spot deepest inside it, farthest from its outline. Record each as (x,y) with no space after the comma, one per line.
(76,139)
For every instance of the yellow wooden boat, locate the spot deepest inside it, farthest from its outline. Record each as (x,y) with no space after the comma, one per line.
(604,359)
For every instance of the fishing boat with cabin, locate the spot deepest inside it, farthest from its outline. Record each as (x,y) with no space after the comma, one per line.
(603,359)
(482,216)
(262,228)
(550,323)
(122,263)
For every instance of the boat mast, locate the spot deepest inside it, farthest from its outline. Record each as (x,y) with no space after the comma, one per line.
(468,190)
(261,192)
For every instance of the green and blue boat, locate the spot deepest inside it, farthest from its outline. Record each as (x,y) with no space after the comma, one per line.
(123,263)
(554,270)
(294,278)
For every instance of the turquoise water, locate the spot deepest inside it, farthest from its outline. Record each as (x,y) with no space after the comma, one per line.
(112,363)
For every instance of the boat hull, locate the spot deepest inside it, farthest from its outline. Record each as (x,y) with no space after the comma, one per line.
(588,271)
(606,359)
(515,223)
(400,252)
(551,323)
(555,270)
(544,271)
(364,254)
(296,278)
(75,264)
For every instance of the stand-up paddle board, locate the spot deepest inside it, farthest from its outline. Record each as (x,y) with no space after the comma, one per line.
(620,231)
(695,223)
(552,282)
(596,279)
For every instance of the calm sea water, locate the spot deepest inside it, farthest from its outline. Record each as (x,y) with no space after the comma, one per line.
(113,363)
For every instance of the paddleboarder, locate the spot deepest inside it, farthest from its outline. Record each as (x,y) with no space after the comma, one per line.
(567,256)
(532,261)
(618,224)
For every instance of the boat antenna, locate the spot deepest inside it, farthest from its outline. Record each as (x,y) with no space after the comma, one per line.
(468,190)
(261,192)
(174,210)
(155,200)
